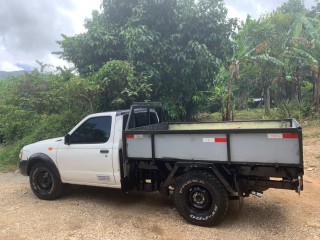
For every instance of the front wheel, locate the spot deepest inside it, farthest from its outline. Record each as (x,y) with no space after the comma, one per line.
(200,198)
(44,182)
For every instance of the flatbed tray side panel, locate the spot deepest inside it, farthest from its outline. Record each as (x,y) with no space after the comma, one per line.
(139,146)
(211,147)
(265,148)
(271,146)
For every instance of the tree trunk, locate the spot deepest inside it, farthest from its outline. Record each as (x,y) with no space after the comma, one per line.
(316,96)
(266,100)
(229,100)
(298,85)
(189,107)
(223,116)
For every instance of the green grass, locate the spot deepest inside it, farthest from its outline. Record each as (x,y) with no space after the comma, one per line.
(6,166)
(250,114)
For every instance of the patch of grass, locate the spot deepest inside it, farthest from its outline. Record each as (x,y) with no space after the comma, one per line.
(250,114)
(215,117)
(208,117)
(7,168)
(5,165)
(311,123)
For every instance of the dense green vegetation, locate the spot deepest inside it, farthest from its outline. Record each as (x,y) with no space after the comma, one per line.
(184,53)
(37,106)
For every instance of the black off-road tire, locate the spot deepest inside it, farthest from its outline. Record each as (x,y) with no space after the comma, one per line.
(200,198)
(44,182)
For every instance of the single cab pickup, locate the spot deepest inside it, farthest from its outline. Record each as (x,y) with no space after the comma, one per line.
(201,165)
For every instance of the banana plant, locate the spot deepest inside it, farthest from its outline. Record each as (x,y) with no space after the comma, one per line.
(306,45)
(255,43)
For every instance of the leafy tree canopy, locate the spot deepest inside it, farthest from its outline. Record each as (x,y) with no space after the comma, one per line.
(178,45)
(292,6)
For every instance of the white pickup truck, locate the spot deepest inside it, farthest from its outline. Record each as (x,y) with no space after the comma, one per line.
(205,164)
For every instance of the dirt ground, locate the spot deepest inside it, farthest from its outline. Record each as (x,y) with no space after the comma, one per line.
(96,213)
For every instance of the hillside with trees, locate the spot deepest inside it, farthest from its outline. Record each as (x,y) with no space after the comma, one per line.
(4,74)
(186,54)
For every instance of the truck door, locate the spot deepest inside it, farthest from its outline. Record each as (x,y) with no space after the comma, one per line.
(88,157)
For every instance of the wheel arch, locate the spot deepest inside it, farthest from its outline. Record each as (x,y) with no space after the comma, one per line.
(187,167)
(42,158)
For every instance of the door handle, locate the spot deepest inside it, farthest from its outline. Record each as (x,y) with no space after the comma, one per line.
(104,151)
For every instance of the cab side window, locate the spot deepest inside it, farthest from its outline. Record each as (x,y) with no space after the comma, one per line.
(94,130)
(141,119)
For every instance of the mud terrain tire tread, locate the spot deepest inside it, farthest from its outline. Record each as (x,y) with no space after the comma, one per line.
(211,186)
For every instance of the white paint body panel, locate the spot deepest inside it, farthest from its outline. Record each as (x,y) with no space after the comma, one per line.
(42,147)
(84,164)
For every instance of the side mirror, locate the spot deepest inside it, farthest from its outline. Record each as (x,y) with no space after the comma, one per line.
(67,139)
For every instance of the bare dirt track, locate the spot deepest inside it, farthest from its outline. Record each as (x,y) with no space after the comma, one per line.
(96,213)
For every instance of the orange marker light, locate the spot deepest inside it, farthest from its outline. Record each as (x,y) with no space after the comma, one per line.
(50,148)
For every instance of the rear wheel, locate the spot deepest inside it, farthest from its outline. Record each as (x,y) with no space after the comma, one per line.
(44,182)
(200,198)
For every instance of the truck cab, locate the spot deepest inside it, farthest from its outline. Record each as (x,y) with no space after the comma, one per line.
(89,154)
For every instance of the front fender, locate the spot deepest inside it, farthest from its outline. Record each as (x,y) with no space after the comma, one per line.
(26,166)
